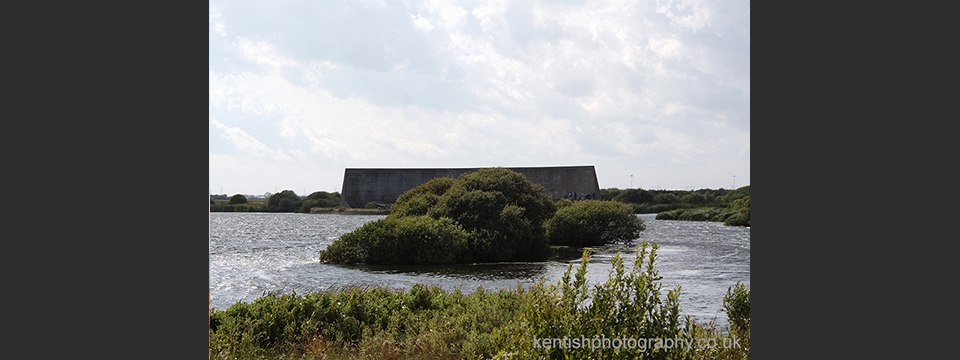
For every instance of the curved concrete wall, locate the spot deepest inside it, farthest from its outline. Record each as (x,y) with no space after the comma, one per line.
(361,186)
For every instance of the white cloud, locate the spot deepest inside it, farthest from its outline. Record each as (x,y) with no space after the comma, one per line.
(688,14)
(476,83)
(247,144)
(262,53)
(422,23)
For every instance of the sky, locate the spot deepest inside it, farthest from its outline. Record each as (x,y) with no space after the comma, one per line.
(653,94)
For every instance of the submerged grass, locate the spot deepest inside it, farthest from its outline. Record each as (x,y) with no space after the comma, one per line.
(427,322)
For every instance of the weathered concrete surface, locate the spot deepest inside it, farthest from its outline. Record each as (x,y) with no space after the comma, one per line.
(361,186)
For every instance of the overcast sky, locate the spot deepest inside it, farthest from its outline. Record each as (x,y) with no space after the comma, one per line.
(301,90)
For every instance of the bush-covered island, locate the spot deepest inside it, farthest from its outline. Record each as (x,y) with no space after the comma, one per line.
(490,215)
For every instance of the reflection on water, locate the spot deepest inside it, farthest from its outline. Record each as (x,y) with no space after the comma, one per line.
(254,253)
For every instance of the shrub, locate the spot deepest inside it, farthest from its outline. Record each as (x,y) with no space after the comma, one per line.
(284,201)
(371,205)
(651,208)
(238,199)
(633,196)
(670,215)
(323,199)
(741,218)
(666,199)
(736,303)
(379,323)
(407,240)
(418,200)
(627,305)
(594,223)
(693,198)
(500,209)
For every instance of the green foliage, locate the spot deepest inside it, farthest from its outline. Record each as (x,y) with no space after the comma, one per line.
(693,198)
(371,205)
(736,303)
(628,305)
(666,199)
(594,223)
(562,203)
(651,208)
(633,196)
(741,203)
(418,200)
(609,193)
(424,322)
(731,196)
(742,217)
(427,322)
(284,201)
(237,199)
(322,199)
(406,240)
(501,211)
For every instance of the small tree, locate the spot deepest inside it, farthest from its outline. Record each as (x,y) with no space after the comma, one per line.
(285,200)
(238,199)
(594,223)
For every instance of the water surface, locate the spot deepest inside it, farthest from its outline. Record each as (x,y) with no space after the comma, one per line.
(255,253)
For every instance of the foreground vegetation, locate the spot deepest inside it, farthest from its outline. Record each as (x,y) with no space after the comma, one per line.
(490,215)
(430,323)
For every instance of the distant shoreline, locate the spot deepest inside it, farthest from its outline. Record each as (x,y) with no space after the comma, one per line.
(351,212)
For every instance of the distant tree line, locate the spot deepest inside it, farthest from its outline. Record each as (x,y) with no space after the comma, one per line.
(731,207)
(284,201)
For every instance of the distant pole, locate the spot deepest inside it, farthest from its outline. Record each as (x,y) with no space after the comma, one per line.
(631,181)
(734,182)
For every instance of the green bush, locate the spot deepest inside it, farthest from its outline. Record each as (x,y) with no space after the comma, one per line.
(323,199)
(633,196)
(666,199)
(594,223)
(628,305)
(732,196)
(741,218)
(501,212)
(736,303)
(238,199)
(284,201)
(407,240)
(418,200)
(651,208)
(693,198)
(379,323)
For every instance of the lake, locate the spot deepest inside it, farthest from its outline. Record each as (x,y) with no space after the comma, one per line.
(255,253)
